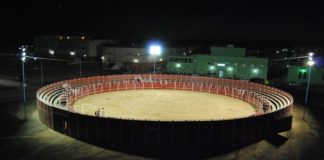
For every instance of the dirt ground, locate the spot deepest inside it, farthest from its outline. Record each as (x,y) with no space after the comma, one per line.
(164,105)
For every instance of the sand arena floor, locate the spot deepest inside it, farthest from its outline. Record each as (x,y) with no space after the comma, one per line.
(164,105)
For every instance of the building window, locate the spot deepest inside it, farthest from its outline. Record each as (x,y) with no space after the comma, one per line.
(299,75)
(305,75)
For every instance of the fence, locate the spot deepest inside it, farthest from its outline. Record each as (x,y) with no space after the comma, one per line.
(273,113)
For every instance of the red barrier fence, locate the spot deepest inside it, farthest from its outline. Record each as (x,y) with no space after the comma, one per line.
(273,113)
(264,99)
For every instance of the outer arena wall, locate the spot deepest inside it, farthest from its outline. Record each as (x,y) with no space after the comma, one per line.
(273,108)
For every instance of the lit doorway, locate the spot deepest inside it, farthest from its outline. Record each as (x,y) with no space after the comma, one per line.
(220,73)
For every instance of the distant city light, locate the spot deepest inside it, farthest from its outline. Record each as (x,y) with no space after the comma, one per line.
(230,69)
(23,59)
(82,37)
(161,59)
(211,67)
(72,53)
(311,54)
(50,51)
(285,49)
(84,55)
(68,37)
(135,60)
(221,64)
(35,58)
(102,57)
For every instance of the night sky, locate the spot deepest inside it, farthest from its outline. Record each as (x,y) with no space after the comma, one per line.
(286,23)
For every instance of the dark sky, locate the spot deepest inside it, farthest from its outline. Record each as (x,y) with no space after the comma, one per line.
(289,22)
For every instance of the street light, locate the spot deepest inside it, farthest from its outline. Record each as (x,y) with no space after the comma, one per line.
(51,51)
(102,60)
(310,63)
(42,74)
(72,53)
(155,50)
(105,63)
(23,58)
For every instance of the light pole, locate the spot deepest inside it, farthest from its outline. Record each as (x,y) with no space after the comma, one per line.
(310,63)
(80,68)
(23,58)
(155,50)
(41,67)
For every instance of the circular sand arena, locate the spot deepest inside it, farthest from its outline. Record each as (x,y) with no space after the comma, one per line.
(163,105)
(144,112)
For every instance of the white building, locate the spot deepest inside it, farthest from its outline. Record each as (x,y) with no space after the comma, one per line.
(62,46)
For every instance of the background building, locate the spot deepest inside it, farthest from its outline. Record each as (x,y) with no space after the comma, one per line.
(122,54)
(94,46)
(299,74)
(134,58)
(61,46)
(224,62)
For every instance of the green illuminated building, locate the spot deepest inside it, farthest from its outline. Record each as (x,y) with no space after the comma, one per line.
(223,62)
(299,74)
